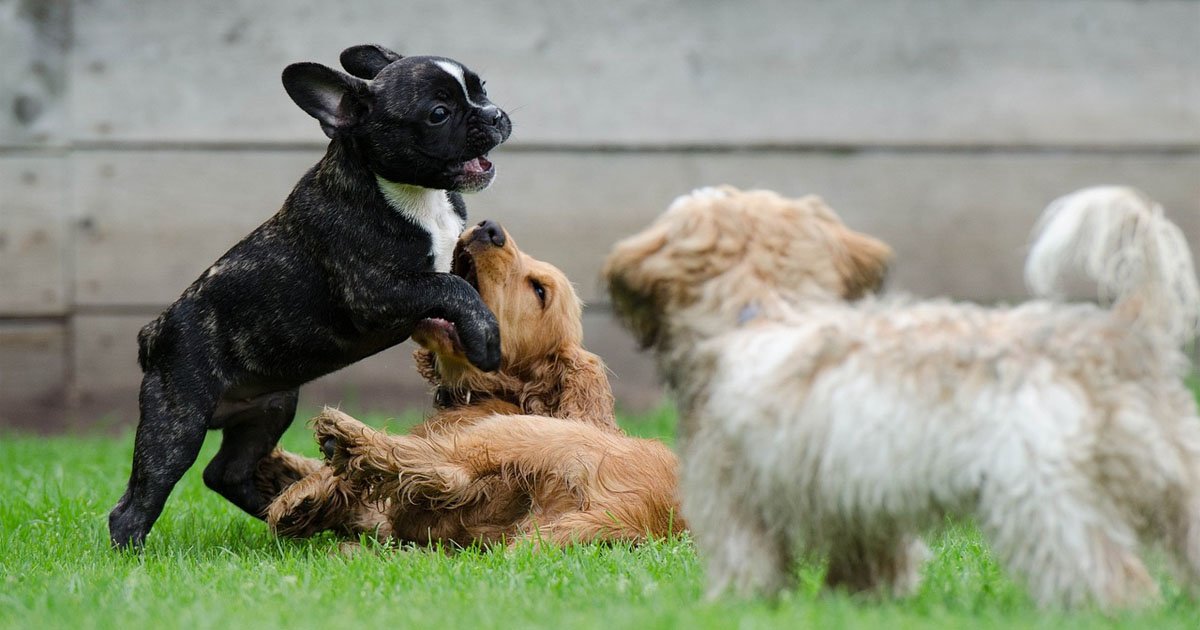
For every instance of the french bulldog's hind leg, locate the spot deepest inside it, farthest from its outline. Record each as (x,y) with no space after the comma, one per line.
(169,435)
(250,434)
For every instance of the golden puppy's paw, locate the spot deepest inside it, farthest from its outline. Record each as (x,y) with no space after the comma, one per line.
(339,436)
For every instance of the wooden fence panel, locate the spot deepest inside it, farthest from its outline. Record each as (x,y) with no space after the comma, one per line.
(33,373)
(637,72)
(35,37)
(33,235)
(151,222)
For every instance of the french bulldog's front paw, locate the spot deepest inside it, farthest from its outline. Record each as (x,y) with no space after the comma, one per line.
(482,343)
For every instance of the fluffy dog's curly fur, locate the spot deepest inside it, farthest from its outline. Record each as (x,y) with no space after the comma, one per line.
(479,470)
(809,421)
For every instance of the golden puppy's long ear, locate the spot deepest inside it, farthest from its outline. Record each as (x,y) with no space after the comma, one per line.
(574,386)
(586,393)
(862,264)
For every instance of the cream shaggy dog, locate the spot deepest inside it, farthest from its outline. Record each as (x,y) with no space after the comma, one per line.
(810,422)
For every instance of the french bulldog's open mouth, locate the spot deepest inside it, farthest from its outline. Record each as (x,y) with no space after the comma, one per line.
(477,166)
(474,175)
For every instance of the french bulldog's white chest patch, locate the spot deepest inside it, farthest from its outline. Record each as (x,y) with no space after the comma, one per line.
(431,209)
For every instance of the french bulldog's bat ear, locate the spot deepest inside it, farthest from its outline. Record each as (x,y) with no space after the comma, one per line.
(367,60)
(337,100)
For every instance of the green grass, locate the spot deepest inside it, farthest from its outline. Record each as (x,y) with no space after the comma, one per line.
(208,565)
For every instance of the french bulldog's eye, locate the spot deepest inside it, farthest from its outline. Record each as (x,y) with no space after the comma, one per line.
(438,115)
(539,291)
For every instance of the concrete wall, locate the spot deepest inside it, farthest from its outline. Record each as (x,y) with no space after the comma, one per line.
(139,139)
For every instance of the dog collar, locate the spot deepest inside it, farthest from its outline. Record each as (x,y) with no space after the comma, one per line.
(748,313)
(445,398)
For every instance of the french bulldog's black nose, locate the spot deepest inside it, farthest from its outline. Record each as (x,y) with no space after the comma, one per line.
(491,115)
(490,231)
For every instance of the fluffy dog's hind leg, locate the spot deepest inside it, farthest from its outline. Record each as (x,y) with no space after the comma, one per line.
(1185,541)
(743,557)
(888,565)
(1179,506)
(1069,550)
(742,554)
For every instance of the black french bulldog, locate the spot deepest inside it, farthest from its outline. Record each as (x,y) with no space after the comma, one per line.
(356,257)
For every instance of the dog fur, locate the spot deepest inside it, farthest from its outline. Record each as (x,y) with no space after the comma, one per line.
(813,422)
(479,470)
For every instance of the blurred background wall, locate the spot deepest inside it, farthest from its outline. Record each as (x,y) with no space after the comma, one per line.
(139,139)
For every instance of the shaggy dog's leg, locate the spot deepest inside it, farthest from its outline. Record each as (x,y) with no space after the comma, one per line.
(883,565)
(1184,536)
(741,553)
(1187,540)
(1176,510)
(1068,546)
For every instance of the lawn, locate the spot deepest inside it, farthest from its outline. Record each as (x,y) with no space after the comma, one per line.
(208,565)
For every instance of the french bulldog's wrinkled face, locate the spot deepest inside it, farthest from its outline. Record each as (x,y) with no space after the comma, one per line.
(432,125)
(424,121)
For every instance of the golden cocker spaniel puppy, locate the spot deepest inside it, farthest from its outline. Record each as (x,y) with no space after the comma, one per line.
(483,468)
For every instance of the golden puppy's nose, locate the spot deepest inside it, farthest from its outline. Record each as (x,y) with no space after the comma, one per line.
(490,232)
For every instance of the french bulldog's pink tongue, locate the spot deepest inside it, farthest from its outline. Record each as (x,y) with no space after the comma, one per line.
(478,165)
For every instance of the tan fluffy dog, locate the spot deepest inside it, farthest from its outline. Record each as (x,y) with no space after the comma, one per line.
(811,421)
(475,470)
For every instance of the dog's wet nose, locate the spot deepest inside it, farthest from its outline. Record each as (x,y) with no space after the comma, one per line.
(490,231)
(492,115)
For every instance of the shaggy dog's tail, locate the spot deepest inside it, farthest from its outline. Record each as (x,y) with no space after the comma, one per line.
(1118,239)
